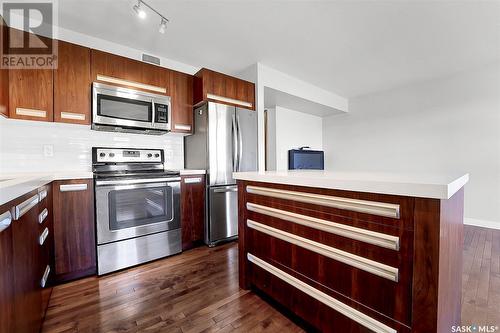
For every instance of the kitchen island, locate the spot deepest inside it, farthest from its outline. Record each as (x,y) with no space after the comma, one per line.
(355,252)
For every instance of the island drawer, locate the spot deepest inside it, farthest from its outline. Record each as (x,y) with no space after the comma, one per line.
(378,278)
(323,308)
(378,210)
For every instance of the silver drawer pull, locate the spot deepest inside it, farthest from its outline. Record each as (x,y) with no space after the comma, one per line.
(192,180)
(42,195)
(25,206)
(45,277)
(351,313)
(43,215)
(43,236)
(5,220)
(31,112)
(72,116)
(73,187)
(182,127)
(223,190)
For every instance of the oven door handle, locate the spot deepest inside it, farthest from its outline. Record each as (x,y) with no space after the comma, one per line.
(136,181)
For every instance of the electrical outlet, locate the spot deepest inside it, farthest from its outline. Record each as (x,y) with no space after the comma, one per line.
(48,150)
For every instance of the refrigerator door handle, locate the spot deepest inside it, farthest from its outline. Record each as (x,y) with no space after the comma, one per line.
(240,144)
(235,143)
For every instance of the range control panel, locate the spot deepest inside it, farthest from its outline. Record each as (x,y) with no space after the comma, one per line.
(119,155)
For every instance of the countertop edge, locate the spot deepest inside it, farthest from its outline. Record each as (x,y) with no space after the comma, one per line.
(420,190)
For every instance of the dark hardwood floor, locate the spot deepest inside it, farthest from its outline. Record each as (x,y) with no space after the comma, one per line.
(198,291)
(481,277)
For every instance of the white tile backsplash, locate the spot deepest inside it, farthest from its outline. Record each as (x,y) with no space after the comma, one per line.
(23,143)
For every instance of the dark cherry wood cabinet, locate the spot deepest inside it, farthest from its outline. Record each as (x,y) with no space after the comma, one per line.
(74,230)
(181,93)
(30,94)
(221,88)
(192,210)
(72,84)
(30,90)
(29,250)
(113,69)
(4,92)
(6,271)
(364,261)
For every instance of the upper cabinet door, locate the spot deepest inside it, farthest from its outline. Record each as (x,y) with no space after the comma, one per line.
(181,92)
(72,84)
(112,69)
(30,94)
(30,90)
(221,88)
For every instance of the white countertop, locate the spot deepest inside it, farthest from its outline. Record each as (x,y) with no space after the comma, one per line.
(14,185)
(437,186)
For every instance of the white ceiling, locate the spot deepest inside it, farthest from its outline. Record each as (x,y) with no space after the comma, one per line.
(347,47)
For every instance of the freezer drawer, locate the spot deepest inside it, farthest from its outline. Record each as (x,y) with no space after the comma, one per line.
(223,214)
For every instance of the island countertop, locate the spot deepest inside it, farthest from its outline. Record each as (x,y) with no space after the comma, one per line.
(435,186)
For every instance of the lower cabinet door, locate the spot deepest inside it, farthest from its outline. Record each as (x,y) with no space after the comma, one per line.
(74,230)
(26,254)
(192,210)
(6,271)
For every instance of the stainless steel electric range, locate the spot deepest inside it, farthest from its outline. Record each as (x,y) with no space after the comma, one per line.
(137,207)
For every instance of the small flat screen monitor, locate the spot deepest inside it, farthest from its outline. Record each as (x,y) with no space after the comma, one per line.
(306,159)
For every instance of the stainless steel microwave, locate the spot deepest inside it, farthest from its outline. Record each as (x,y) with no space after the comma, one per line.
(126,110)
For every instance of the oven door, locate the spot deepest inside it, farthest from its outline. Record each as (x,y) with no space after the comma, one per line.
(131,208)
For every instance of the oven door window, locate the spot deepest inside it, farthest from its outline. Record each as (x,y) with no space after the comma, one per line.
(124,108)
(138,207)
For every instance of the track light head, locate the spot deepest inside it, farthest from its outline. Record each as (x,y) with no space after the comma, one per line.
(163,26)
(139,11)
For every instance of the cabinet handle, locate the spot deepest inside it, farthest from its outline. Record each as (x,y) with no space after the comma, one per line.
(115,80)
(73,187)
(43,236)
(31,112)
(42,195)
(229,100)
(182,127)
(192,180)
(5,220)
(43,215)
(45,277)
(72,116)
(25,206)
(223,190)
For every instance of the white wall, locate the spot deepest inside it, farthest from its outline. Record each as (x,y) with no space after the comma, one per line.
(294,129)
(264,76)
(449,125)
(22,145)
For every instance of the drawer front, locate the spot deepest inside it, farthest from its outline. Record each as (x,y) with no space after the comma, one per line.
(359,284)
(314,303)
(366,261)
(377,210)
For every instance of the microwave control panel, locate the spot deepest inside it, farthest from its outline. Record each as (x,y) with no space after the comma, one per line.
(161,113)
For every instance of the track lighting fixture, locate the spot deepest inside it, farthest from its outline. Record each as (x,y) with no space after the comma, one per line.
(139,10)
(163,26)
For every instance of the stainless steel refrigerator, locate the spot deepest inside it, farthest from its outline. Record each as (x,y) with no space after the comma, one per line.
(224,141)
